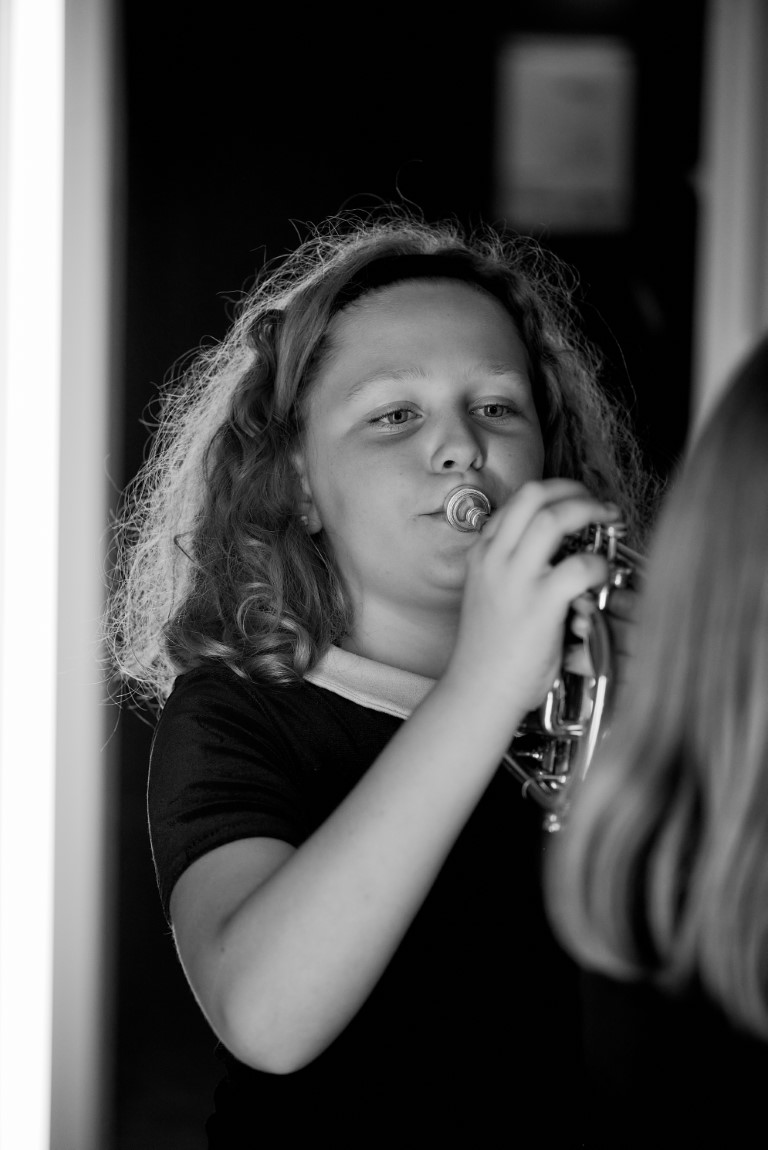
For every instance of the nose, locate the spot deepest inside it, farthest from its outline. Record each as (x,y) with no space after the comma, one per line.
(458,445)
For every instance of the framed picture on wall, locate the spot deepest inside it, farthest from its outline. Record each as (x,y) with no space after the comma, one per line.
(564,133)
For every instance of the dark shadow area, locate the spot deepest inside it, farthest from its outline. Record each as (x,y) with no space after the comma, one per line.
(242,129)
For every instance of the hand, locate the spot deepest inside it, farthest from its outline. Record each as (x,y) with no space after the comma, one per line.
(621,616)
(510,638)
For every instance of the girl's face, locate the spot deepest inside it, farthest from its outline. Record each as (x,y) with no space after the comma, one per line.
(426,386)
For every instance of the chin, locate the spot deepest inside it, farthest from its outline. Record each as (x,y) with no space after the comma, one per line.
(450,577)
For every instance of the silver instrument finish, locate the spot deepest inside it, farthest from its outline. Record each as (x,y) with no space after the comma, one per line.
(553,748)
(467,508)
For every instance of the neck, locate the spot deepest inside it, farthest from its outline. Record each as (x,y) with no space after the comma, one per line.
(413,641)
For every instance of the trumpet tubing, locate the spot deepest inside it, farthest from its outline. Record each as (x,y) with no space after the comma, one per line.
(553,748)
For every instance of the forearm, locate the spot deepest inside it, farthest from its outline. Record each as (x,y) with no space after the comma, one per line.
(300,954)
(288,961)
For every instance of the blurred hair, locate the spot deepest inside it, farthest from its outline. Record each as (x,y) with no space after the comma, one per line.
(209,559)
(662,869)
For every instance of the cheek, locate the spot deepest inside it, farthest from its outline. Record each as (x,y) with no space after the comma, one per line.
(525,460)
(538,456)
(537,451)
(339,489)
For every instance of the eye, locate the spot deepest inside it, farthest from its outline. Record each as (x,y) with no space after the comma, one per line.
(495,410)
(395,417)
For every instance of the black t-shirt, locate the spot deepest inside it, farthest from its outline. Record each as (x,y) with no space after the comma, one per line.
(473,1029)
(667,1070)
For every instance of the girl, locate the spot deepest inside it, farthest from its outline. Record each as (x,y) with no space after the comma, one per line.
(355,898)
(659,884)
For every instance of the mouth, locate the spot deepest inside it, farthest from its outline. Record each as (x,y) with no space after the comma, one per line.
(467,508)
(440,512)
(457,538)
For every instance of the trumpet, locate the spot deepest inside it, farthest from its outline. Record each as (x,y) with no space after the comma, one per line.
(553,748)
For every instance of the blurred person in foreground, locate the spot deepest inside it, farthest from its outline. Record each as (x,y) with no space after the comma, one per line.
(658,884)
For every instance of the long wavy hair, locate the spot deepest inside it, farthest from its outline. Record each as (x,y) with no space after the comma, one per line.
(662,870)
(209,559)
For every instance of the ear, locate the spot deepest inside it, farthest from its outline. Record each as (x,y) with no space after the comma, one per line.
(305,504)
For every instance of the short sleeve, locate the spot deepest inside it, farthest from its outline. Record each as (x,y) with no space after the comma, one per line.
(222,767)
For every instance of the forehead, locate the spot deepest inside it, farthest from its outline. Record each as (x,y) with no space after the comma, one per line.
(419,316)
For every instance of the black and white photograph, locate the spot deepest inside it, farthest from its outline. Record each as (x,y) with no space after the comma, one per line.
(383,598)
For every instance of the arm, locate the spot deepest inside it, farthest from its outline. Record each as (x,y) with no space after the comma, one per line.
(282,946)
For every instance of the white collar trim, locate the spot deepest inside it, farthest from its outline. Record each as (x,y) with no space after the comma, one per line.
(371,684)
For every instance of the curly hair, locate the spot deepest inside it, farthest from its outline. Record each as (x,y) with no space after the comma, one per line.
(209,559)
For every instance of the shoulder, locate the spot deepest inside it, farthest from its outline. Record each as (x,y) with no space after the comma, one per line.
(226,763)
(217,723)
(235,759)
(214,684)
(213,699)
(218,728)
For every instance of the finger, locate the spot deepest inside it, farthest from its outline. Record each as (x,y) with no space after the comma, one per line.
(584,605)
(514,515)
(577,659)
(542,537)
(579,620)
(622,627)
(569,581)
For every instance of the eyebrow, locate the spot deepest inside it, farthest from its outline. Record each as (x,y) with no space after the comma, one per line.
(496,369)
(501,368)
(384,375)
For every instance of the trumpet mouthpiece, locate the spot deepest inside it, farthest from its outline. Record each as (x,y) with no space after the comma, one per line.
(466,508)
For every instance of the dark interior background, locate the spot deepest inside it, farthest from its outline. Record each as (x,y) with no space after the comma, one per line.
(241,125)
